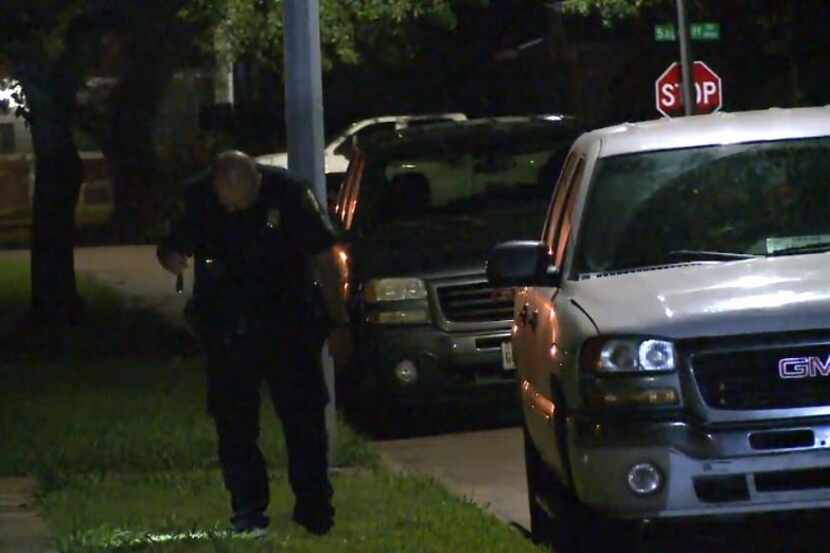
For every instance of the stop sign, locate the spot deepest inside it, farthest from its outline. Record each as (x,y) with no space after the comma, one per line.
(708,92)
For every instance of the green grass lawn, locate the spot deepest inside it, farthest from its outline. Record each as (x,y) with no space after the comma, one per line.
(14,289)
(116,432)
(376,511)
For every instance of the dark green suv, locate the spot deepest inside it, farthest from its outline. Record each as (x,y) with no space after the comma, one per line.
(421,209)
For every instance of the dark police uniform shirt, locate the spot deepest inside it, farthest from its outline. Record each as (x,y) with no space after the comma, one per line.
(253,268)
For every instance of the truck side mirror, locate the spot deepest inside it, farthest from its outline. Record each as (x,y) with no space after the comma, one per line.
(521,263)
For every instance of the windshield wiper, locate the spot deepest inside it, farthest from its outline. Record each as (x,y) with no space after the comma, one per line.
(818,247)
(704,255)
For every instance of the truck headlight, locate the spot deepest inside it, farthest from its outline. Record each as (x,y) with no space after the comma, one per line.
(656,355)
(628,355)
(395,289)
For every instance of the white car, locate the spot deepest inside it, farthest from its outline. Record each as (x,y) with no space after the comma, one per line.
(672,326)
(338,150)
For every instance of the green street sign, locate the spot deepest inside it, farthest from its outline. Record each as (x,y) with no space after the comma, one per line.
(705,31)
(665,32)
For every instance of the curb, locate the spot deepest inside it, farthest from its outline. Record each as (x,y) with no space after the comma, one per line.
(22,530)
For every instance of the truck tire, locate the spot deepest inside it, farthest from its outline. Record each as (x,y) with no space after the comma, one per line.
(559,520)
(553,522)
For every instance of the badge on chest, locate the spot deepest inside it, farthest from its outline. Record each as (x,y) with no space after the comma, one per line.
(273,219)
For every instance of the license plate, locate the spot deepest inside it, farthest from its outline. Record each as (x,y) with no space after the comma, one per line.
(507,361)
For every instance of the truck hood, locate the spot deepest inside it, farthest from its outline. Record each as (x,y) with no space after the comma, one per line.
(333,163)
(780,294)
(279,159)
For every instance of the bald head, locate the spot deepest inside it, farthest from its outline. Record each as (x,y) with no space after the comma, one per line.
(236,180)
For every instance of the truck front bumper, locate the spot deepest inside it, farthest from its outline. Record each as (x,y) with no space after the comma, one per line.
(704,472)
(449,366)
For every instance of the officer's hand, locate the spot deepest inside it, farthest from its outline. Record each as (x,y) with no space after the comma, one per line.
(340,347)
(174,262)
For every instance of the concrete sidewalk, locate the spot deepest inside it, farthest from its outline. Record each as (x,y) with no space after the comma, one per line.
(131,270)
(21,528)
(134,272)
(486,467)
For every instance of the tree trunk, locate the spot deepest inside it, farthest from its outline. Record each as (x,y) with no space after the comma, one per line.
(58,176)
(131,146)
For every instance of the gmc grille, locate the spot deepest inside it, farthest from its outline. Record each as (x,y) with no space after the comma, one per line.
(745,380)
(473,303)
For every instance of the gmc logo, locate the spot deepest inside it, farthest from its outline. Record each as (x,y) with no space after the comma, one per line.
(803,367)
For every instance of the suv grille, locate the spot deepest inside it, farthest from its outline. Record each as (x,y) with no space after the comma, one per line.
(742,380)
(473,303)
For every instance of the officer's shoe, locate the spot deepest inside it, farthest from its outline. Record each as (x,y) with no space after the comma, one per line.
(250,526)
(249,533)
(317,519)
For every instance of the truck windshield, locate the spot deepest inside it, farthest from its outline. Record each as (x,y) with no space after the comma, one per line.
(715,203)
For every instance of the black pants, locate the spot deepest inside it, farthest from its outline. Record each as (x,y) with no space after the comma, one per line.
(290,366)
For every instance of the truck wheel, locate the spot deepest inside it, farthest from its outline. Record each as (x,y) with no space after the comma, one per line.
(559,520)
(617,536)
(555,520)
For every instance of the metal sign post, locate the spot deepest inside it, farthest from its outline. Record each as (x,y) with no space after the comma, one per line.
(685,60)
(304,125)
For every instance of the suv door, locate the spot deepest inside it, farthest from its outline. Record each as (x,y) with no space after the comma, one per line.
(349,189)
(537,326)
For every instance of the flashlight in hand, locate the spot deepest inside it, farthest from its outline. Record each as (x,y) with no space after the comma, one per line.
(179,283)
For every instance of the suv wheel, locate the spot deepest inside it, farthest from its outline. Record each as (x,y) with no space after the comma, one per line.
(390,419)
(387,419)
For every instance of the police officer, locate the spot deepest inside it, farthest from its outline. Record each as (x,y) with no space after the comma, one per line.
(259,238)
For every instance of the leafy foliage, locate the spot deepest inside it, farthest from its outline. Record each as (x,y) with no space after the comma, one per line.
(609,10)
(254,28)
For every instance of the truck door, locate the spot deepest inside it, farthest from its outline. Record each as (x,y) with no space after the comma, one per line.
(538,325)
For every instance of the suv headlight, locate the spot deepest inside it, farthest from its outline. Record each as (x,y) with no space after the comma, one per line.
(395,289)
(397,301)
(628,355)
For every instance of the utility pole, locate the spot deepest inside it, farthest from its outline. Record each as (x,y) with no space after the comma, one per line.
(689,98)
(304,125)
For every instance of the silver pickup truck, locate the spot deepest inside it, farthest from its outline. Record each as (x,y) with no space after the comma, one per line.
(672,326)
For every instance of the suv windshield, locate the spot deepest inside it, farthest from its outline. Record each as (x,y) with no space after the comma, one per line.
(460,201)
(715,203)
